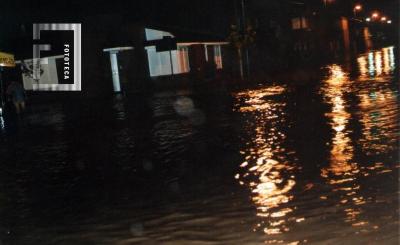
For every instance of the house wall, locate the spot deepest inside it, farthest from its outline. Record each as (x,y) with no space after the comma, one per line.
(134,65)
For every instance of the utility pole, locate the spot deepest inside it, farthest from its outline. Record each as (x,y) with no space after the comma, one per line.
(2,94)
(244,27)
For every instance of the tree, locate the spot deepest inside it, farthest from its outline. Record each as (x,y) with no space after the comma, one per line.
(241,40)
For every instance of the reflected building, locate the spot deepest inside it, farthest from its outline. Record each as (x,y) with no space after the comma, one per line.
(378,103)
(376,64)
(379,117)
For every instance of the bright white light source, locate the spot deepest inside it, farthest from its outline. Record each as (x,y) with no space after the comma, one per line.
(368,19)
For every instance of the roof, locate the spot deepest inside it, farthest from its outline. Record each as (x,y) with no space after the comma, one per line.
(184,35)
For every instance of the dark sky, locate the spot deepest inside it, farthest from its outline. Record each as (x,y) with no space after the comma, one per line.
(190,12)
(212,16)
(204,16)
(207,16)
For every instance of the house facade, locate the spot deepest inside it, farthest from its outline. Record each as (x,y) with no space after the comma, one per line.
(159,56)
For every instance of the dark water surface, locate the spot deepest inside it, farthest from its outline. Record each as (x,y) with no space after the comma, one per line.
(273,164)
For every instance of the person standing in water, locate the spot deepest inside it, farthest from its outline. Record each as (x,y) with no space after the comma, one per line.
(17,93)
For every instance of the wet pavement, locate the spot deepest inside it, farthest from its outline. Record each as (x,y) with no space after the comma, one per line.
(315,163)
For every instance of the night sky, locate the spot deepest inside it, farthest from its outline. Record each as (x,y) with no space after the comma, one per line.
(210,17)
(201,14)
(206,16)
(197,14)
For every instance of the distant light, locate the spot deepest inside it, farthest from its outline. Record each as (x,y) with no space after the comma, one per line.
(368,19)
(328,2)
(375,15)
(389,22)
(358,7)
(383,18)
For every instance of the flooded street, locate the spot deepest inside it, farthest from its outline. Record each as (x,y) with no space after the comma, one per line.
(315,163)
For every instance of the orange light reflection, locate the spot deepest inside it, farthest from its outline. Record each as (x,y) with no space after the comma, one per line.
(342,171)
(267,170)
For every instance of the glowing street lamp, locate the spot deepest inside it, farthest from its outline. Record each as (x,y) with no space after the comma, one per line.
(358,7)
(368,19)
(375,15)
(383,18)
(389,22)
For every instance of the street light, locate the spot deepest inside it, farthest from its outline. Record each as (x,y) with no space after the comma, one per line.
(358,7)
(383,18)
(389,22)
(368,19)
(375,15)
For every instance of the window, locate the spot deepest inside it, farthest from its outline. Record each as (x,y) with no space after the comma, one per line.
(218,56)
(296,23)
(299,23)
(304,23)
(160,62)
(183,60)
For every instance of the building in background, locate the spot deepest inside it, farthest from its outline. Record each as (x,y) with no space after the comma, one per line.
(162,53)
(177,61)
(301,33)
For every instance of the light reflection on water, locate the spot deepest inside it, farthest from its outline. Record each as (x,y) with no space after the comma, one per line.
(166,151)
(378,112)
(363,114)
(342,172)
(376,63)
(267,171)
(377,115)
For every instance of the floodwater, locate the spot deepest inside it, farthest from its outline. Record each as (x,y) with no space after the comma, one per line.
(315,163)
